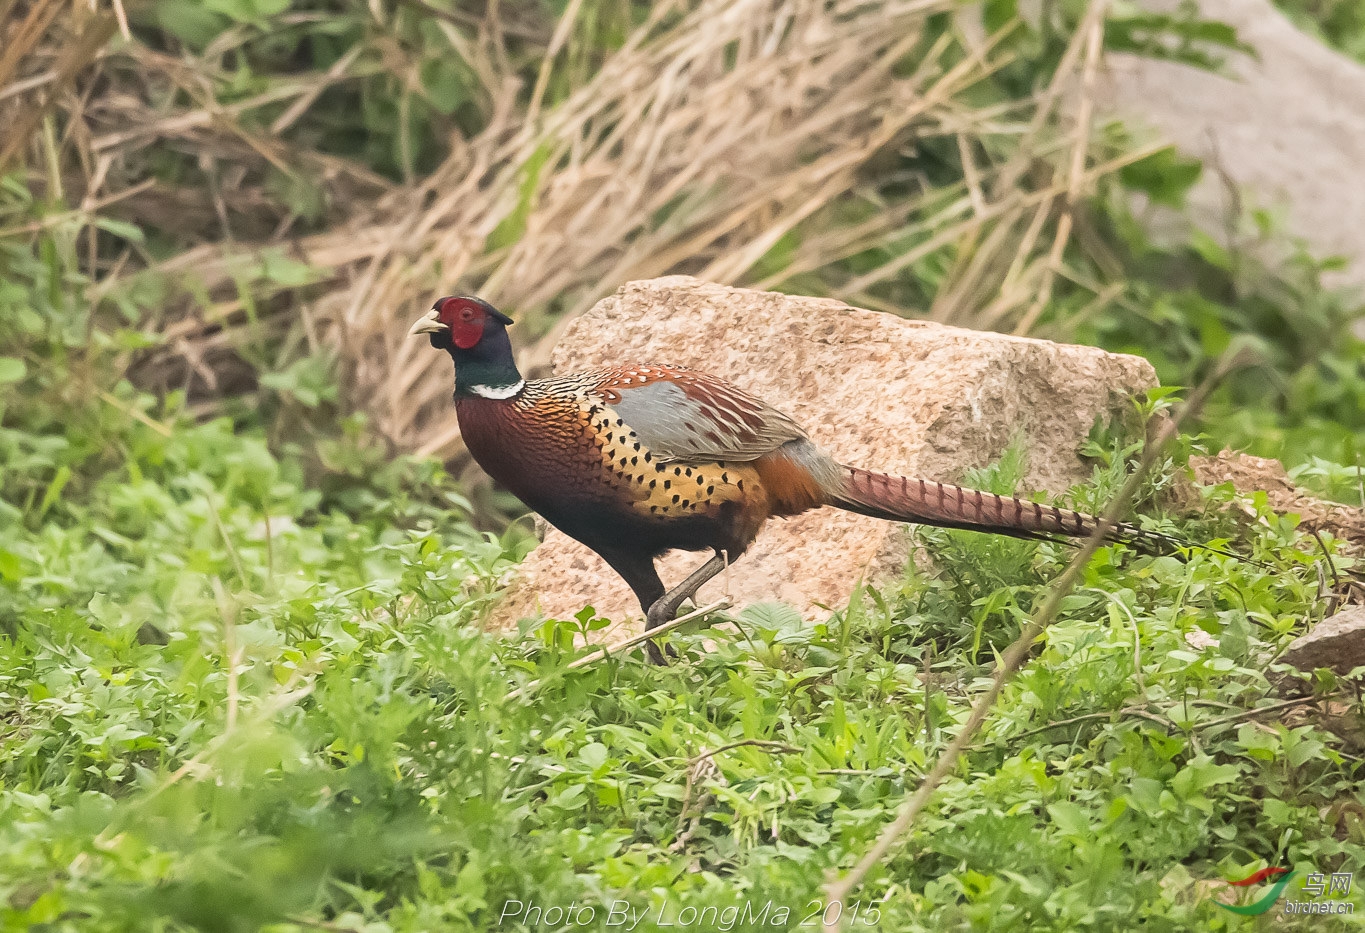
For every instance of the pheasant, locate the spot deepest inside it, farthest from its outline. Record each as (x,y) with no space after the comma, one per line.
(634,461)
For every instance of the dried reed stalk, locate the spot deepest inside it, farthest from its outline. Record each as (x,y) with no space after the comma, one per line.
(693,149)
(719,128)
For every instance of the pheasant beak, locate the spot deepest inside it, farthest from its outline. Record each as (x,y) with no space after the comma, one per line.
(428,324)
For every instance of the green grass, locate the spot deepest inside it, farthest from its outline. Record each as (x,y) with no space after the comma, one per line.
(243,680)
(232,702)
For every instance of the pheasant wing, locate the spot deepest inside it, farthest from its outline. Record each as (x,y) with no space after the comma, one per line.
(689,416)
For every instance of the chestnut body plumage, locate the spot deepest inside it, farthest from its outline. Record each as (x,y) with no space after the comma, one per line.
(638,460)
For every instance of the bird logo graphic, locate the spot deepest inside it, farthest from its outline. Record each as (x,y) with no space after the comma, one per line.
(1268,900)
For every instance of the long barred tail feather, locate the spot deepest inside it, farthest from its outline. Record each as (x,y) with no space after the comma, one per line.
(925,502)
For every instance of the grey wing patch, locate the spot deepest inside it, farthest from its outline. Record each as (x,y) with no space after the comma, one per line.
(675,425)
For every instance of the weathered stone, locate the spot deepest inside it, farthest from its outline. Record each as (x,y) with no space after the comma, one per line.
(873,389)
(1286,123)
(1337,643)
(1250,475)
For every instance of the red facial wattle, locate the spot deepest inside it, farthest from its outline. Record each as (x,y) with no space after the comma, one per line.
(465,319)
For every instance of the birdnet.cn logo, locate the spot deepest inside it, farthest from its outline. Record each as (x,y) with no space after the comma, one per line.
(1317,890)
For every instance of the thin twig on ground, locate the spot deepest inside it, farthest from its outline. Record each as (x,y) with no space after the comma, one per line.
(1164,721)
(1261,710)
(606,651)
(775,748)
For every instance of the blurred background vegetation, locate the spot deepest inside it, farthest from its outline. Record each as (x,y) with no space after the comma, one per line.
(225,548)
(247,199)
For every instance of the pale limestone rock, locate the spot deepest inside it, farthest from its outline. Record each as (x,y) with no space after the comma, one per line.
(873,389)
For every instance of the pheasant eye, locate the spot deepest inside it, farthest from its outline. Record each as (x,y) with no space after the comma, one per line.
(466,321)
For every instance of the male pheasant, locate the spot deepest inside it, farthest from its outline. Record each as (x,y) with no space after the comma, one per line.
(634,461)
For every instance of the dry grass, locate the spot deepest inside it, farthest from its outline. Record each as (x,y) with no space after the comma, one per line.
(717,130)
(64,46)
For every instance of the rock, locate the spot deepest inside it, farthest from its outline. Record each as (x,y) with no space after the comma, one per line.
(873,389)
(1286,123)
(1337,643)
(1250,474)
